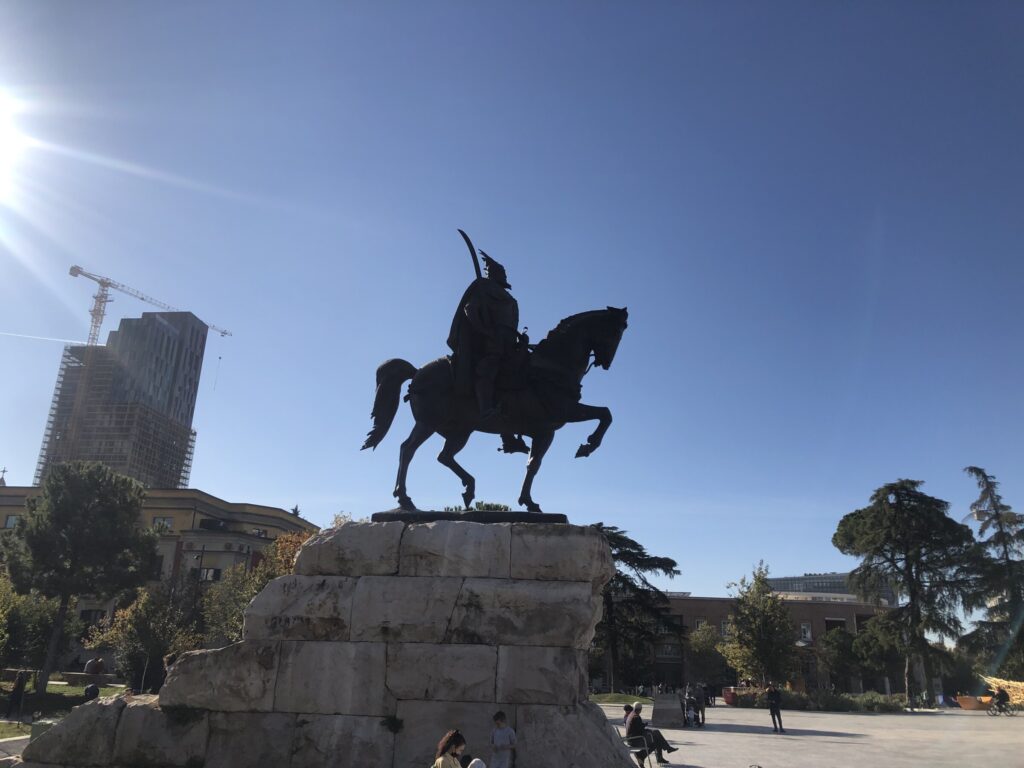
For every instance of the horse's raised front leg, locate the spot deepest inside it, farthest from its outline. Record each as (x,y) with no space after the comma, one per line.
(538,447)
(415,439)
(452,446)
(582,412)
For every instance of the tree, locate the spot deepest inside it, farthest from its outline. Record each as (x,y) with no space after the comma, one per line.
(80,536)
(160,621)
(225,601)
(634,609)
(704,661)
(997,638)
(482,506)
(760,638)
(836,654)
(879,647)
(905,538)
(26,622)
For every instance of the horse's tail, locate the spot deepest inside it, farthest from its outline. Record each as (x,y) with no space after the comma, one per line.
(390,376)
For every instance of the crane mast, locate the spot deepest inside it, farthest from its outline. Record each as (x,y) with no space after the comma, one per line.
(102,298)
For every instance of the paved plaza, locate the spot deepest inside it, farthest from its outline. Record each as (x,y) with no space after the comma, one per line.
(739,738)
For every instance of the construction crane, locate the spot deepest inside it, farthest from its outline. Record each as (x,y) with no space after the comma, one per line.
(102,298)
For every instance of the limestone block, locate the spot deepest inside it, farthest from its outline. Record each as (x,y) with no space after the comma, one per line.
(667,713)
(405,609)
(537,675)
(560,553)
(301,608)
(519,612)
(578,736)
(333,678)
(456,549)
(151,736)
(237,737)
(340,741)
(442,672)
(352,549)
(83,738)
(425,722)
(237,678)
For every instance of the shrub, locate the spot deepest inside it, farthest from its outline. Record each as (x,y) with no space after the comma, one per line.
(835,702)
(879,702)
(790,700)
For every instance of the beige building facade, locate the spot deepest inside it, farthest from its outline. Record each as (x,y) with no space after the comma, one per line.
(198,532)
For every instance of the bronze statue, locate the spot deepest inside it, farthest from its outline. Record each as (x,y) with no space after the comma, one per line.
(496,382)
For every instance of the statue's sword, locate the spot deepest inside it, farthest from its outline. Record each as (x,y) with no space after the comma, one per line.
(472,252)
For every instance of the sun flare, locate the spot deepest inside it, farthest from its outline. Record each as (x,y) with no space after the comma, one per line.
(12,142)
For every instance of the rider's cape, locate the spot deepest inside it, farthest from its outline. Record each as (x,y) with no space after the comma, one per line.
(485,309)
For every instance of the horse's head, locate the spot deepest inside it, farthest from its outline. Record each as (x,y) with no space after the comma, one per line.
(610,326)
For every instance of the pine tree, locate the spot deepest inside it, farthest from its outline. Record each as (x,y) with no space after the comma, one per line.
(634,609)
(80,536)
(906,539)
(997,637)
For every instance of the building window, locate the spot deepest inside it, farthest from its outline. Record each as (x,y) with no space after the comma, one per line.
(805,631)
(164,523)
(668,651)
(209,574)
(261,532)
(725,627)
(831,624)
(11,521)
(701,621)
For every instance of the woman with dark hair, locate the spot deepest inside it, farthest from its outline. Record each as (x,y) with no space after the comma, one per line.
(448,750)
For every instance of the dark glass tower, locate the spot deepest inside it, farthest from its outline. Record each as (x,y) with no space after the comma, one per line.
(129,404)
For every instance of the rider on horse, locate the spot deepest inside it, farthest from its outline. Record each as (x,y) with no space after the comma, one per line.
(484,336)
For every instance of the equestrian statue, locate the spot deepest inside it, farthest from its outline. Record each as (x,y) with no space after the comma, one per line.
(496,381)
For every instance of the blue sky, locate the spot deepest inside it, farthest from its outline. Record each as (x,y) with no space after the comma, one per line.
(812,211)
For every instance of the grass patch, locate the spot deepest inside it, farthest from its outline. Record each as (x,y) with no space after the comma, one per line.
(56,702)
(619,698)
(12,730)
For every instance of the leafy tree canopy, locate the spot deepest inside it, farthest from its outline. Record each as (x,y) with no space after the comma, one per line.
(760,640)
(80,536)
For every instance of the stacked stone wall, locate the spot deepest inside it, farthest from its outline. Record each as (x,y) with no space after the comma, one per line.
(386,635)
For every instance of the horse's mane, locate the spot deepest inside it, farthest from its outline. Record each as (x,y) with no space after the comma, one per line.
(564,326)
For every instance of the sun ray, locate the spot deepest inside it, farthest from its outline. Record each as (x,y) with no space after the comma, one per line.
(151,174)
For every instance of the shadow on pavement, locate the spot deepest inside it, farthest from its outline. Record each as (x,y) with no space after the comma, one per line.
(740,728)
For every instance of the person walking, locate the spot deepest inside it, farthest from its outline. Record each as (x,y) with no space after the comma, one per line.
(699,701)
(774,698)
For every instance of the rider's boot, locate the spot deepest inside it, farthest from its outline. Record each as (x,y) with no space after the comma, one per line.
(511,443)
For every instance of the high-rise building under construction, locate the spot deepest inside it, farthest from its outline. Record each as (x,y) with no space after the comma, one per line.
(129,404)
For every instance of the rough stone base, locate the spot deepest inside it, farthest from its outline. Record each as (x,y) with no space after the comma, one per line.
(388,635)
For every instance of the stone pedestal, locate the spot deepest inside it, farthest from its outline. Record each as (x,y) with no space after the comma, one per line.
(387,635)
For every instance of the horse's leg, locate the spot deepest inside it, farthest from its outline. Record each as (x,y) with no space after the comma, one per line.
(538,447)
(581,412)
(452,446)
(420,432)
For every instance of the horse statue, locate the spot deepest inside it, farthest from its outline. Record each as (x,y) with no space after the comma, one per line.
(547,400)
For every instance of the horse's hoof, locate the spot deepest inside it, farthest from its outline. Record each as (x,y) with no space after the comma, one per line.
(405,503)
(530,504)
(467,499)
(584,450)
